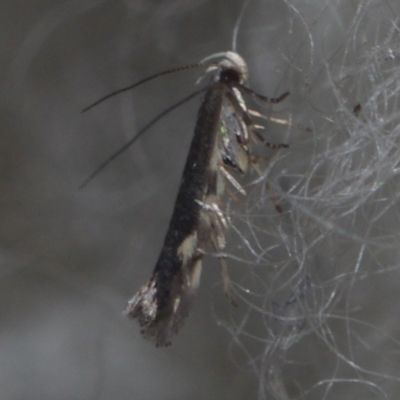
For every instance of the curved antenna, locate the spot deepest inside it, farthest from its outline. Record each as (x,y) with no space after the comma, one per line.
(237,26)
(137,136)
(149,78)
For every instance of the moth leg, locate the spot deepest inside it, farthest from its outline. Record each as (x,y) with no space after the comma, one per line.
(214,210)
(279,121)
(233,195)
(232,180)
(274,198)
(218,225)
(266,99)
(271,192)
(246,114)
(273,146)
(226,281)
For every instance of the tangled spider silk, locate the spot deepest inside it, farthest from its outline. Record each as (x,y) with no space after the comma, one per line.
(322,277)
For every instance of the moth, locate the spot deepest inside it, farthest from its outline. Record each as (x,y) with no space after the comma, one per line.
(220,149)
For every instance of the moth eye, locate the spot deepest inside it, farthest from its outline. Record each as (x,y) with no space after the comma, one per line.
(230,75)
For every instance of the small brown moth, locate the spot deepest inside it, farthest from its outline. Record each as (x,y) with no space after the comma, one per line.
(220,146)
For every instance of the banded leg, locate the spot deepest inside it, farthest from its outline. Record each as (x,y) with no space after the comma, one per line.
(218,226)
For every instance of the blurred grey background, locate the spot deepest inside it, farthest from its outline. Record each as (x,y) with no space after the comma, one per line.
(70,258)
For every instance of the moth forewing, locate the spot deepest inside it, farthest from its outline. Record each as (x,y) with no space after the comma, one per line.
(220,143)
(177,271)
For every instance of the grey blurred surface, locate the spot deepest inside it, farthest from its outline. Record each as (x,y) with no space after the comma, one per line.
(70,258)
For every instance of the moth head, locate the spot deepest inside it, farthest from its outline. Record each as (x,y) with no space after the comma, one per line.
(231,67)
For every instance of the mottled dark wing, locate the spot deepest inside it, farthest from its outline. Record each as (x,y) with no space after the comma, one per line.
(163,303)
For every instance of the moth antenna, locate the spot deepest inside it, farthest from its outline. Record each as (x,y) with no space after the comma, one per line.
(149,78)
(237,26)
(137,136)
